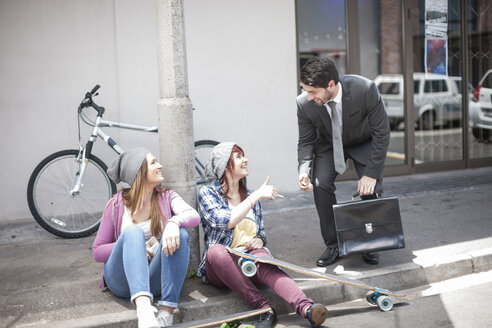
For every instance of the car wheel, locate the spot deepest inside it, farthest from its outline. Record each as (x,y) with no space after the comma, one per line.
(427,120)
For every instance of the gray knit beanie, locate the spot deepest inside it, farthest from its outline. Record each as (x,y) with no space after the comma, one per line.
(219,157)
(126,167)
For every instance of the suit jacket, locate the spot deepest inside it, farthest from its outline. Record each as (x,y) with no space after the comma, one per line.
(365,134)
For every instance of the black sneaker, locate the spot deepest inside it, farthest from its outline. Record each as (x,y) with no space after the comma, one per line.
(316,314)
(267,320)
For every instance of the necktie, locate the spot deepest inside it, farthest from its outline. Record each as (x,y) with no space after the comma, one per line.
(337,140)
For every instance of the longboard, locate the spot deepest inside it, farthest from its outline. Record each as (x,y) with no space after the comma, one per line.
(374,296)
(227,321)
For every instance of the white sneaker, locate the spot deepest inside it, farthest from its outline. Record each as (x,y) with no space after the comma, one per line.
(146,317)
(165,318)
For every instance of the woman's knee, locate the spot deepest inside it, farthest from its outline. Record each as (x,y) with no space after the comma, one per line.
(261,252)
(133,231)
(217,254)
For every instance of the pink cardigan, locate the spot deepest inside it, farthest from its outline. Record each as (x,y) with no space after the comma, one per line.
(110,226)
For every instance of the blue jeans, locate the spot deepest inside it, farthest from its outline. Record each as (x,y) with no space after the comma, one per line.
(128,273)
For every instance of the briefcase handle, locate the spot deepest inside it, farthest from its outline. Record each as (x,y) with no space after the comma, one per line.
(357,194)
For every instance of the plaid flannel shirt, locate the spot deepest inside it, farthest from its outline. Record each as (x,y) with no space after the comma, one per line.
(215,214)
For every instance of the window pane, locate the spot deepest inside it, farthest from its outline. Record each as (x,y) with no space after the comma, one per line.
(321,31)
(381,53)
(438,108)
(389,88)
(480,82)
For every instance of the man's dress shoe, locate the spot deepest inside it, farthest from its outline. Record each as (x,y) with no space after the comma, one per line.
(371,258)
(328,257)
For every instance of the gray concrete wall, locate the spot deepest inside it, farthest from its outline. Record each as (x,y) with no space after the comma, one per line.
(241,67)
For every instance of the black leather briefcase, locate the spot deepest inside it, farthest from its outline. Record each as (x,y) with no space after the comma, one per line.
(368,226)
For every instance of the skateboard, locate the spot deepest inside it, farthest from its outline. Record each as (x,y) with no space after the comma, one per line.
(227,321)
(375,296)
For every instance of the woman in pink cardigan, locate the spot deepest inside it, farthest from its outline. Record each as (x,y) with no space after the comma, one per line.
(132,217)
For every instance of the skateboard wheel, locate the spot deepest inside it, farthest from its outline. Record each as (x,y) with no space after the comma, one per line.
(385,303)
(371,297)
(248,268)
(224,325)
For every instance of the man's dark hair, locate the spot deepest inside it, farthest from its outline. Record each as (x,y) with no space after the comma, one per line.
(318,72)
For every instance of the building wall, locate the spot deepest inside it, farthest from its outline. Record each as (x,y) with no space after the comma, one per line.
(242,80)
(391,38)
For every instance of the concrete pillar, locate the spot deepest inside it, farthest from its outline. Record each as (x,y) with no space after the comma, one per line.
(175,111)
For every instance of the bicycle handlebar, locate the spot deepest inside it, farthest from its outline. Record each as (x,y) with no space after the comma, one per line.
(87,101)
(96,87)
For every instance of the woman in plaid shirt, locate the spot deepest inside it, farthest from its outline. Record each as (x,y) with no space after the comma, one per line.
(231,216)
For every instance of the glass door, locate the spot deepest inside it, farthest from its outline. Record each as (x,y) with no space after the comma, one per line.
(321,31)
(480,78)
(437,77)
(381,60)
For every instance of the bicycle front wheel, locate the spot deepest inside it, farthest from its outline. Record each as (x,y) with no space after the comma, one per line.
(203,148)
(50,200)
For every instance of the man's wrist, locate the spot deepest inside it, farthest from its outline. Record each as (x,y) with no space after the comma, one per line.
(304,168)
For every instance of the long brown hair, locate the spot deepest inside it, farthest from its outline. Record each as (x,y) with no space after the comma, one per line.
(133,198)
(224,181)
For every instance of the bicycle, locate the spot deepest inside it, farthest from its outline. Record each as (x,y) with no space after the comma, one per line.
(67,191)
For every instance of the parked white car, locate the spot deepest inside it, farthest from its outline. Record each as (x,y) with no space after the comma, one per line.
(481,113)
(437,98)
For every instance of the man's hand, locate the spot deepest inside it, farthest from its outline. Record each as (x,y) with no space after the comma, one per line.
(366,186)
(305,183)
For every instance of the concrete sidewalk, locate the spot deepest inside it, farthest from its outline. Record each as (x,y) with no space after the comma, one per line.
(447,219)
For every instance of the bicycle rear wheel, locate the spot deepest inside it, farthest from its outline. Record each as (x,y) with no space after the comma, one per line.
(50,201)
(203,148)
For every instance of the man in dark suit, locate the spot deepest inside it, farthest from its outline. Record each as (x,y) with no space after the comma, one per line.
(326,142)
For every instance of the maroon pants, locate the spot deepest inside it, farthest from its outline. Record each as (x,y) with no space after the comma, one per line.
(222,270)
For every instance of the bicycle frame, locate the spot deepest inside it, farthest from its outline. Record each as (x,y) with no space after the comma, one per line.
(112,124)
(82,176)
(85,152)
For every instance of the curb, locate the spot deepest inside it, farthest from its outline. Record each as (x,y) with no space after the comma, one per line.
(395,278)
(425,269)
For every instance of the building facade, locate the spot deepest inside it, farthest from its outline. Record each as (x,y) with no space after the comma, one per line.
(243,62)
(419,52)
